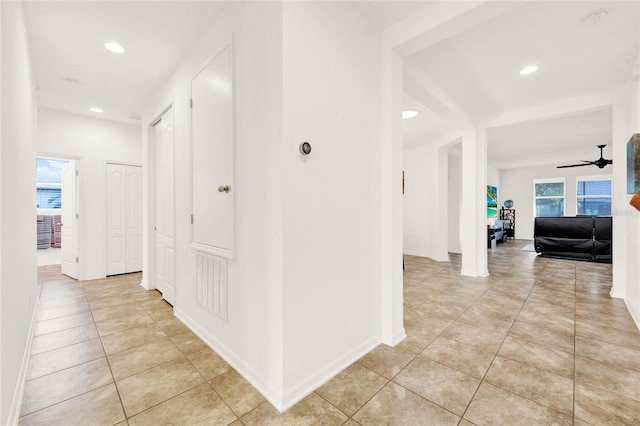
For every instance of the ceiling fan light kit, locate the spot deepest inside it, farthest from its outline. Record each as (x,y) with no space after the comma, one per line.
(600,162)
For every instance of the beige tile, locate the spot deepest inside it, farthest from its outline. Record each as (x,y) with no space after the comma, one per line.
(395,405)
(132,361)
(172,326)
(465,348)
(188,342)
(499,322)
(62,311)
(351,388)
(239,395)
(158,309)
(417,338)
(208,363)
(494,406)
(64,323)
(540,386)
(600,407)
(542,357)
(619,319)
(442,385)
(101,406)
(66,291)
(198,406)
(114,325)
(131,338)
(312,410)
(626,338)
(608,353)
(621,381)
(45,304)
(56,387)
(59,339)
(151,387)
(531,331)
(386,361)
(110,312)
(108,301)
(68,356)
(459,356)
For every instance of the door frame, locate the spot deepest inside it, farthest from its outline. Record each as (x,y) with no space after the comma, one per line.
(149,197)
(78,161)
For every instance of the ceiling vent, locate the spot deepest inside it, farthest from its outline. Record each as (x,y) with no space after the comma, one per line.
(135,116)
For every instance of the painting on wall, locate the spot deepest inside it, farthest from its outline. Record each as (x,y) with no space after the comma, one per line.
(633,164)
(492,201)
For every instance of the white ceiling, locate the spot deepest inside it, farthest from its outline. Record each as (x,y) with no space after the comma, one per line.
(66,41)
(477,68)
(425,127)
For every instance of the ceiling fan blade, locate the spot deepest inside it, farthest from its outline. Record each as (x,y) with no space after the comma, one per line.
(590,163)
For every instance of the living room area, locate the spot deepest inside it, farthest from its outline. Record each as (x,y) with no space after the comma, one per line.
(543,102)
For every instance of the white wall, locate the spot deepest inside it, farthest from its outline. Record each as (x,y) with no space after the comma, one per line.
(18,280)
(517,185)
(626,225)
(94,142)
(331,202)
(454,185)
(251,339)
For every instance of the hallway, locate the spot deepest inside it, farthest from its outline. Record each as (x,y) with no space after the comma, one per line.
(537,342)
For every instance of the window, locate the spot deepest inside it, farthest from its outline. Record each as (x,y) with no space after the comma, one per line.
(594,196)
(548,197)
(49,183)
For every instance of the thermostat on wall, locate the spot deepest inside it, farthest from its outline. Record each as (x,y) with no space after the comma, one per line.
(304,148)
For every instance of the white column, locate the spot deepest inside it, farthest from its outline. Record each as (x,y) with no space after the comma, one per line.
(622,211)
(440,226)
(474,204)
(391,277)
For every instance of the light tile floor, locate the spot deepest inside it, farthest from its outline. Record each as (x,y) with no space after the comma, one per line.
(538,342)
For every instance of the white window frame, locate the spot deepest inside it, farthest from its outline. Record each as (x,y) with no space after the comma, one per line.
(550,180)
(593,177)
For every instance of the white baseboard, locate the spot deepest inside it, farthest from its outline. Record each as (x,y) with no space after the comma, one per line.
(273,395)
(314,381)
(16,402)
(616,293)
(281,401)
(634,314)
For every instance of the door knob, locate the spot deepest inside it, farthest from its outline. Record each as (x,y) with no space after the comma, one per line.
(224,188)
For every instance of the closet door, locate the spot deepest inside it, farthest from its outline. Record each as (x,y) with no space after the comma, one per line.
(116,219)
(124,219)
(134,219)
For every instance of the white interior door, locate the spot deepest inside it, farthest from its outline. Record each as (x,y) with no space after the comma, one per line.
(212,156)
(116,219)
(70,219)
(164,206)
(134,218)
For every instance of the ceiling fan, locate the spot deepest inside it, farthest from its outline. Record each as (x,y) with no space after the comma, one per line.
(600,162)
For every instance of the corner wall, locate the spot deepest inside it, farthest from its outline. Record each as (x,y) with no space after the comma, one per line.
(332,290)
(94,142)
(18,278)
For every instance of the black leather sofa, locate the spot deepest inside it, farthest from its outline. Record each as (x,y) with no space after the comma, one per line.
(579,238)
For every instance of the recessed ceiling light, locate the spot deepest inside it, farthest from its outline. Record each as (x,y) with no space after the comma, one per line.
(528,69)
(114,47)
(409,113)
(95,109)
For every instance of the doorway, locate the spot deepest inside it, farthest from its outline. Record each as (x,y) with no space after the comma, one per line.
(163,217)
(57,213)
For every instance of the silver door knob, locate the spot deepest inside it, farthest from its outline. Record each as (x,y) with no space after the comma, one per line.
(224,188)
